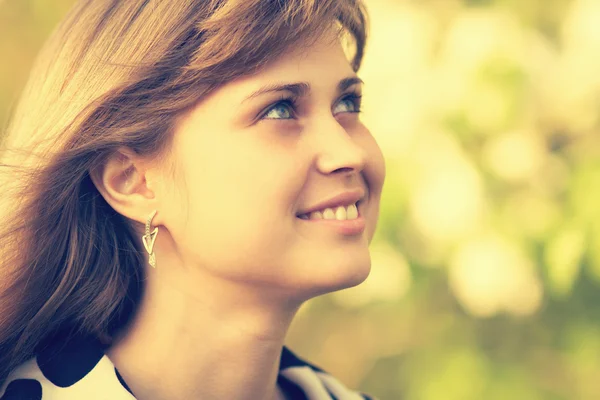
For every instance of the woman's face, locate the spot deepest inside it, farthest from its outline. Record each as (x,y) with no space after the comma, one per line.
(261,150)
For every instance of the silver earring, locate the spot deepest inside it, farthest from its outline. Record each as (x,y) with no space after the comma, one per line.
(149,238)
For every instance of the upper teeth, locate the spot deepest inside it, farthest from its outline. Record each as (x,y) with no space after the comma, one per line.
(340,213)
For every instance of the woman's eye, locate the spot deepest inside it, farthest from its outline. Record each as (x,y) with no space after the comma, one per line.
(349,104)
(281,110)
(285,109)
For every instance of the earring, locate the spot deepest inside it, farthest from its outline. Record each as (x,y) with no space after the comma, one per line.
(149,238)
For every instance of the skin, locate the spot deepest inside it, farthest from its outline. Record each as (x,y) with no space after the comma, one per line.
(234,263)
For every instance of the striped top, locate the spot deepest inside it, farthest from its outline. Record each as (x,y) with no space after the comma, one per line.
(79,369)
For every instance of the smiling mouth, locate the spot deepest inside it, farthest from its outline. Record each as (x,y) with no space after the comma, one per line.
(339,213)
(336,219)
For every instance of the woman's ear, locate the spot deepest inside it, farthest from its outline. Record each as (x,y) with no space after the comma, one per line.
(121,180)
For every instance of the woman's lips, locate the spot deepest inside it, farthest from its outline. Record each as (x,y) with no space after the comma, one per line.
(348,227)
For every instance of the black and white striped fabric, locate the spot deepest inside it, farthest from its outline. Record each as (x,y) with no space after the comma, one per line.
(79,370)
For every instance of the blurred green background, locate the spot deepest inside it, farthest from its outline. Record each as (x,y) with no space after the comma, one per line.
(486,266)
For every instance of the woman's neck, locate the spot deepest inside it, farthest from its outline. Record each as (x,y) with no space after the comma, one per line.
(220,341)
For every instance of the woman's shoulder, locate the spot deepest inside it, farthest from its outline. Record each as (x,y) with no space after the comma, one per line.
(66,371)
(23,383)
(79,369)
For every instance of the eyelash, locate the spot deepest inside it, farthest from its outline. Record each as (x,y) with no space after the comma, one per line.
(292,103)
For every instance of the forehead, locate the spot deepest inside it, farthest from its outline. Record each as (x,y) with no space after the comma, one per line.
(321,63)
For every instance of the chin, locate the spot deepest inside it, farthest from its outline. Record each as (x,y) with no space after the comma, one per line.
(327,278)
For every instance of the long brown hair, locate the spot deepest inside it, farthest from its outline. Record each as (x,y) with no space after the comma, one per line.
(117,73)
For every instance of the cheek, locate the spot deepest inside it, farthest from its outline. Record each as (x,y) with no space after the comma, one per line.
(375,172)
(237,212)
(378,169)
(375,167)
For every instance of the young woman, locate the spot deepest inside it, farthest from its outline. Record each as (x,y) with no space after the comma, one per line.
(178,178)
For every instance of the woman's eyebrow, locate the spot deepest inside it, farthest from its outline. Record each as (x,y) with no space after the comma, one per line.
(347,82)
(297,89)
(300,89)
